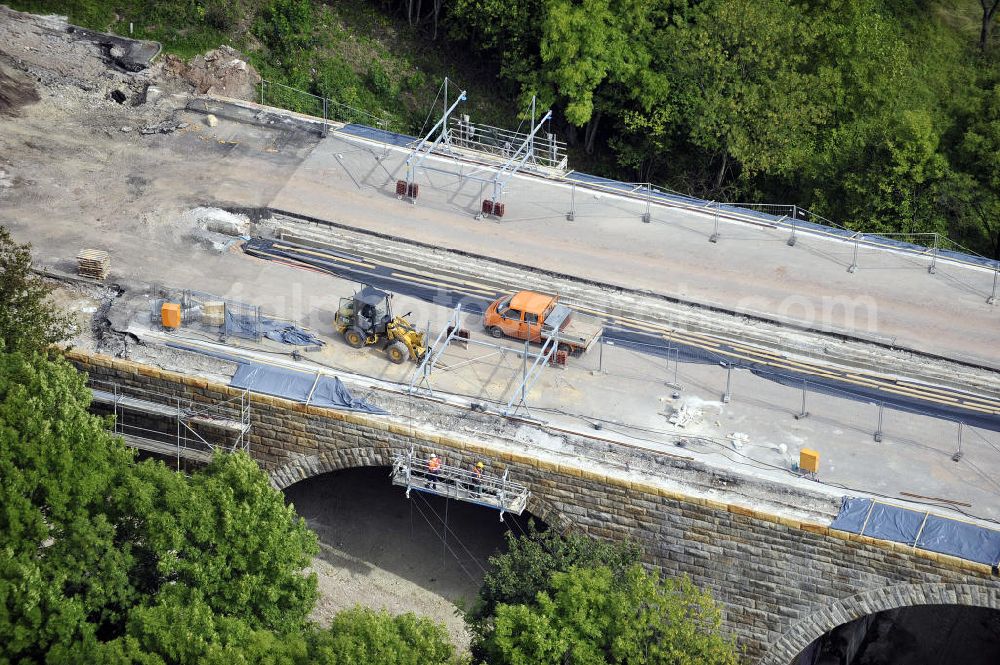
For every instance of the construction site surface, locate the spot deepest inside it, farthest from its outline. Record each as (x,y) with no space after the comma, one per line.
(733,355)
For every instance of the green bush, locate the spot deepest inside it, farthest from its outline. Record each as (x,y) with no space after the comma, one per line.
(379,80)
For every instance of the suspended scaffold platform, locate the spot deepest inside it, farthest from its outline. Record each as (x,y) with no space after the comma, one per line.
(452,482)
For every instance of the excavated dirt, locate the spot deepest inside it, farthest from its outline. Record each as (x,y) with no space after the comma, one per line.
(222,71)
(16,90)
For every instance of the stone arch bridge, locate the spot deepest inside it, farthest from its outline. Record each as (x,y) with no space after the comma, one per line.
(782,583)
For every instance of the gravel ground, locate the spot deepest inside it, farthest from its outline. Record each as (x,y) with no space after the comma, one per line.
(383,551)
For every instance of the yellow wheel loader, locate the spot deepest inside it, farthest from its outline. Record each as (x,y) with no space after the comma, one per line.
(366,319)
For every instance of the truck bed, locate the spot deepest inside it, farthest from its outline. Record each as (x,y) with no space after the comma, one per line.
(581,332)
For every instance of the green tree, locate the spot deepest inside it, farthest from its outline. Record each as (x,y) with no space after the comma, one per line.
(362,635)
(591,618)
(236,541)
(106,560)
(63,580)
(529,561)
(28,319)
(979,153)
(747,91)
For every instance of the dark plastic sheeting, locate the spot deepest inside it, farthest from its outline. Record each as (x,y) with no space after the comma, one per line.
(290,384)
(245,325)
(901,525)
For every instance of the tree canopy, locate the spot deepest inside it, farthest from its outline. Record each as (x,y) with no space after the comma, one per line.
(561,598)
(590,617)
(28,319)
(101,556)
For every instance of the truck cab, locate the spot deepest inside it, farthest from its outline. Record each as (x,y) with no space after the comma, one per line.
(535,317)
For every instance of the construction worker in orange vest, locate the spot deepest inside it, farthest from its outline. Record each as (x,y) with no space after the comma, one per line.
(434,467)
(477,474)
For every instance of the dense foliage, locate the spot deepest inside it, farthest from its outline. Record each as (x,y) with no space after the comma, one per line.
(106,560)
(552,598)
(589,617)
(28,321)
(526,565)
(101,557)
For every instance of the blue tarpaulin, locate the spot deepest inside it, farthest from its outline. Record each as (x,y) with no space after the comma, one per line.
(919,529)
(316,389)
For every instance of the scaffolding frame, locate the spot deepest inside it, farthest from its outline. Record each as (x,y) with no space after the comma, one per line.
(520,157)
(452,482)
(500,142)
(421,377)
(231,417)
(421,151)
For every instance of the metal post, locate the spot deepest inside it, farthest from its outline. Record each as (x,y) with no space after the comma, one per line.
(444,550)
(531,139)
(444,128)
(728,395)
(854,264)
(878,430)
(993,297)
(959,454)
(600,356)
(795,216)
(802,412)
(932,268)
(571,215)
(326,129)
(715,232)
(649,195)
(178,417)
(677,362)
(524,371)
(262,92)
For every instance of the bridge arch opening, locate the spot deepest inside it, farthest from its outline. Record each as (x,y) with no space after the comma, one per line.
(425,554)
(912,635)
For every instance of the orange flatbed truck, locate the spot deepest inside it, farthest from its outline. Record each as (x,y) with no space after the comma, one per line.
(537,317)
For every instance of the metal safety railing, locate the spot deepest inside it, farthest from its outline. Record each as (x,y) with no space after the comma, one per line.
(209,312)
(929,247)
(320,107)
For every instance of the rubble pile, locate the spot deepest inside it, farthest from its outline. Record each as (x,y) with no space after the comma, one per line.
(222,71)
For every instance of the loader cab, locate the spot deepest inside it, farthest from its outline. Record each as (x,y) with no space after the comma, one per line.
(373,310)
(368,311)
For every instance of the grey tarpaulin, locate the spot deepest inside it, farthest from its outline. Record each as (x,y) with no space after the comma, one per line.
(244,325)
(290,384)
(920,529)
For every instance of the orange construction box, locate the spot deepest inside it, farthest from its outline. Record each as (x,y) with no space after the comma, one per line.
(170,315)
(809,460)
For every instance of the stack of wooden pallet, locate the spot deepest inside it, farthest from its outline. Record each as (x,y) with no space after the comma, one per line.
(93,263)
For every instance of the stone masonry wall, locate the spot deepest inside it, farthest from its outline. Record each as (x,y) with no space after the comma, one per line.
(782,583)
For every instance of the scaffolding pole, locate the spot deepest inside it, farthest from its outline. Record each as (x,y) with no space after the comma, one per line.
(419,152)
(524,151)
